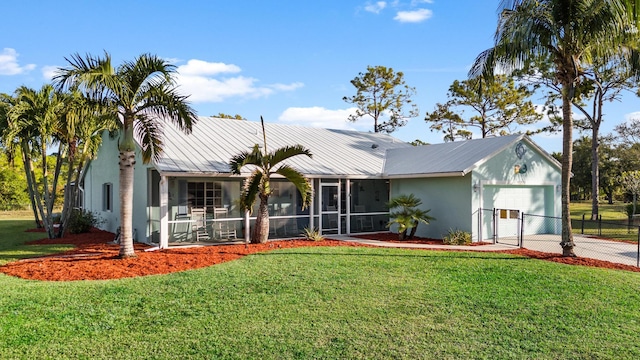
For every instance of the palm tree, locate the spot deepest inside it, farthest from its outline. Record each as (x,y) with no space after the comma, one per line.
(265,164)
(568,33)
(144,94)
(80,137)
(34,123)
(409,216)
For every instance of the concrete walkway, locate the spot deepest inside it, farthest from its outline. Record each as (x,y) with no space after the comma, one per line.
(490,247)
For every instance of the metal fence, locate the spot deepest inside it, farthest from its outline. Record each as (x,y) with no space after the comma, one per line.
(613,241)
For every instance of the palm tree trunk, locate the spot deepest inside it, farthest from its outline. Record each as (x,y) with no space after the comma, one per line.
(69,191)
(31,188)
(413,230)
(261,231)
(595,173)
(567,159)
(127,161)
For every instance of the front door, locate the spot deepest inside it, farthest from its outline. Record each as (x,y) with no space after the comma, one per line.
(330,209)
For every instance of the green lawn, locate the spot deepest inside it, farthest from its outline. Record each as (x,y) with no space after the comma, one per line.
(330,303)
(608,211)
(615,224)
(13,237)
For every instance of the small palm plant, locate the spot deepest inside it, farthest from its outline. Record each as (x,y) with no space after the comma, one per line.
(264,165)
(408,216)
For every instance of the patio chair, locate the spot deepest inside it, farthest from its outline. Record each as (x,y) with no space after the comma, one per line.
(365,222)
(181,229)
(291,227)
(225,231)
(199,224)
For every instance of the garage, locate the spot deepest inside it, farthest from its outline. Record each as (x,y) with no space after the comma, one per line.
(458,181)
(510,201)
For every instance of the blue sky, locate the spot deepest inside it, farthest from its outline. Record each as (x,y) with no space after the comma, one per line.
(289,61)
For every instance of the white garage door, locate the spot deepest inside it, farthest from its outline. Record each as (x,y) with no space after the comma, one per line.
(511,201)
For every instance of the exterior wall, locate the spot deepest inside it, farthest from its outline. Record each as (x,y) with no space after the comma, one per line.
(105,169)
(541,180)
(500,170)
(454,201)
(448,198)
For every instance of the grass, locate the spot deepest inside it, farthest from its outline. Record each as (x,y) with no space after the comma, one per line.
(366,303)
(614,211)
(13,237)
(615,223)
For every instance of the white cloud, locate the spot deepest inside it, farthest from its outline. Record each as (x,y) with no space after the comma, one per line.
(632,116)
(287,87)
(324,118)
(413,16)
(375,7)
(199,67)
(49,71)
(418,2)
(201,80)
(9,63)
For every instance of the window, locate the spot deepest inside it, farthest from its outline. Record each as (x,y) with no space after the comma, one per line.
(107,197)
(205,194)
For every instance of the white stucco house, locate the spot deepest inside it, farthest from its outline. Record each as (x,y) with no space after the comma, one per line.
(190,196)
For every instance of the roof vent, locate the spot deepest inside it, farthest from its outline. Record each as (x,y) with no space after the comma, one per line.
(374,146)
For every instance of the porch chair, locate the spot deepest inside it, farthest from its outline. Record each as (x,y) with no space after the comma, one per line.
(273,227)
(363,222)
(291,227)
(199,225)
(226,232)
(181,229)
(223,230)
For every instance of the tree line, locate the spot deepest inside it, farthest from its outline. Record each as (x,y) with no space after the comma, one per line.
(583,52)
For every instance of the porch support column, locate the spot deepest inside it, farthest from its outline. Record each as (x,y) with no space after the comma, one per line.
(312,205)
(348,204)
(247,227)
(320,206)
(164,212)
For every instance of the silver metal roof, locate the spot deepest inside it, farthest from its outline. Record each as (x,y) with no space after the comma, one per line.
(448,159)
(208,149)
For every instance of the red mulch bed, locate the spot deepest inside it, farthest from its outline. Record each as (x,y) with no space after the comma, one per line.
(94,258)
(569,260)
(393,237)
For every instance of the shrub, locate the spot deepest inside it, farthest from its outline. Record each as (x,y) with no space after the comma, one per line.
(457,237)
(408,215)
(82,221)
(312,234)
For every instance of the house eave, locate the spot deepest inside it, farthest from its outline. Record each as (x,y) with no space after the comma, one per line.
(185,174)
(431,175)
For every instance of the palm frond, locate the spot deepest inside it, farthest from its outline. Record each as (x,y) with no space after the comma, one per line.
(164,102)
(245,158)
(149,132)
(299,181)
(250,191)
(279,155)
(90,74)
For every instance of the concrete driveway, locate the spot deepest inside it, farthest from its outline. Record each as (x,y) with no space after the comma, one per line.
(588,247)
